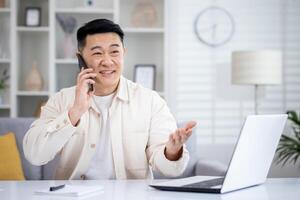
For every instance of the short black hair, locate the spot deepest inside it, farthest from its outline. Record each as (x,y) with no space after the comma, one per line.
(97,26)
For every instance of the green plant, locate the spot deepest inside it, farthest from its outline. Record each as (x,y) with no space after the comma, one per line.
(288,149)
(3,80)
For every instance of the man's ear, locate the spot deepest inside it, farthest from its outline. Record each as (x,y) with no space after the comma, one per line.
(125,50)
(78,54)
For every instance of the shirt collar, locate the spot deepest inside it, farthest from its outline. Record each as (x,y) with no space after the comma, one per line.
(122,93)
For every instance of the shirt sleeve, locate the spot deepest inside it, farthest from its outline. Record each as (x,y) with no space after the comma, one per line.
(48,134)
(162,125)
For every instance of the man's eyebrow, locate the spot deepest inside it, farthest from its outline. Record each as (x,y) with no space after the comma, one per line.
(96,47)
(115,45)
(99,47)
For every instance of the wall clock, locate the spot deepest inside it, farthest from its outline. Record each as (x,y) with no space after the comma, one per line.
(214,26)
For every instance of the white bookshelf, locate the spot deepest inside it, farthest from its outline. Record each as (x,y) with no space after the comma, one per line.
(33,93)
(5,106)
(4,10)
(4,61)
(66,61)
(84,11)
(145,45)
(32,29)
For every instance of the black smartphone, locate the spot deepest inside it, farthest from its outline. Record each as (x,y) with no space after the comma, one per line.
(81,63)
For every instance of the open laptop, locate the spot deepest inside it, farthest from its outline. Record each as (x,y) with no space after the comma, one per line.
(250,162)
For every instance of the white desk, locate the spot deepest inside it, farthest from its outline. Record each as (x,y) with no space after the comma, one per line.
(281,189)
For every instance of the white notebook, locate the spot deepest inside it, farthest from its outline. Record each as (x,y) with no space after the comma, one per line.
(72,190)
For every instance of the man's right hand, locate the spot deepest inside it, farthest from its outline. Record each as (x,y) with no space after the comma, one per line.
(82,95)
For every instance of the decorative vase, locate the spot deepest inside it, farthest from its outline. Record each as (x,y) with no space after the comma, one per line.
(144,14)
(34,80)
(69,46)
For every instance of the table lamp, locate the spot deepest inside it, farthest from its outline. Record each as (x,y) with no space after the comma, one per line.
(262,67)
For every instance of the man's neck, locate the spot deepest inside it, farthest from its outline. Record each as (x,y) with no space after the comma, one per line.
(104,91)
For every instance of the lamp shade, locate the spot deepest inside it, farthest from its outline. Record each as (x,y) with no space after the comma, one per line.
(256,67)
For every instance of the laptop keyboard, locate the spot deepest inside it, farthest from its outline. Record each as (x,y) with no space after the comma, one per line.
(206,184)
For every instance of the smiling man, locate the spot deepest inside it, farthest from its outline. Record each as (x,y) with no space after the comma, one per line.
(118,130)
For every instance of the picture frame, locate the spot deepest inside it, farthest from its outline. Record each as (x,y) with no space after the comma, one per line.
(145,74)
(33,16)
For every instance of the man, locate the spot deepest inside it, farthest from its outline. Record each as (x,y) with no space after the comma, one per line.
(118,130)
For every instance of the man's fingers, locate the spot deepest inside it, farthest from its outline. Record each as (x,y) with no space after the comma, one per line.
(88,81)
(80,74)
(87,76)
(84,71)
(171,138)
(180,136)
(177,137)
(190,125)
(185,135)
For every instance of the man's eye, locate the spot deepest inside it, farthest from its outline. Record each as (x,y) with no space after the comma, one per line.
(115,52)
(97,53)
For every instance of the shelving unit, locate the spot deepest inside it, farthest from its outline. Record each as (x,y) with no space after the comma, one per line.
(4,10)
(84,11)
(5,58)
(4,61)
(5,106)
(32,29)
(44,44)
(33,93)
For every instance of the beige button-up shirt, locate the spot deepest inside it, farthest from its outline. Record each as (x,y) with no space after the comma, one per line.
(140,124)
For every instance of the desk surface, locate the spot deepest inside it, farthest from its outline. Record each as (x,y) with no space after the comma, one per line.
(138,189)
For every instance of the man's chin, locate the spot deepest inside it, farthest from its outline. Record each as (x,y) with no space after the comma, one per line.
(107,83)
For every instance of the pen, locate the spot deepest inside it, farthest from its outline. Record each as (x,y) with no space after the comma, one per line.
(53,188)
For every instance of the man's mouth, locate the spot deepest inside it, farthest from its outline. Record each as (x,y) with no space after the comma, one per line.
(107,72)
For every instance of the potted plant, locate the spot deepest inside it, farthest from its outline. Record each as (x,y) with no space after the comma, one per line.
(3,85)
(288,149)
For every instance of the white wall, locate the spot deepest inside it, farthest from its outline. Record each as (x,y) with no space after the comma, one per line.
(199,76)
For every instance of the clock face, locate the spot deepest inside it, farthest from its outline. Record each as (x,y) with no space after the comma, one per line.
(214,26)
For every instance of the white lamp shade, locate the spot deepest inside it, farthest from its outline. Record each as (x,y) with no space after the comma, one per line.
(257,67)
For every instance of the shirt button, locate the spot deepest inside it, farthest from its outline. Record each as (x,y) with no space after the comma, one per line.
(82,177)
(57,126)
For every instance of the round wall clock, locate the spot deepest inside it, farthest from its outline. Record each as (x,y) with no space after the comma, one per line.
(214,26)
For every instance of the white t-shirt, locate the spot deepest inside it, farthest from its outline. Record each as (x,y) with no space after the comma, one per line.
(102,164)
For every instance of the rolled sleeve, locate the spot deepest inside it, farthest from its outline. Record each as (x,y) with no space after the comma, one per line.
(162,125)
(170,168)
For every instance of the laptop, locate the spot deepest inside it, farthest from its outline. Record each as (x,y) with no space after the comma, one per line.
(249,164)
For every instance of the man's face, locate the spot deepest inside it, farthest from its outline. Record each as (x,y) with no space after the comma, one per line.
(104,52)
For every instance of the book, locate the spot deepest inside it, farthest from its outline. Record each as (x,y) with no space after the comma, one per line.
(72,190)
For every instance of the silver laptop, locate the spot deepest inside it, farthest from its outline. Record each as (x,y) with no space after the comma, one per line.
(250,162)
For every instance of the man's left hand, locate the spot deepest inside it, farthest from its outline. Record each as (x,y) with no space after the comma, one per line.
(173,150)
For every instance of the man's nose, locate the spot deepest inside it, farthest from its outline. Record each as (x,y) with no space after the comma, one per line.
(106,60)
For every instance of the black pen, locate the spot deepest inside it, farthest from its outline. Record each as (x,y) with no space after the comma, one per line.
(53,188)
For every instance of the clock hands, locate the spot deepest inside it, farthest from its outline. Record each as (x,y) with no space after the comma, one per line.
(206,29)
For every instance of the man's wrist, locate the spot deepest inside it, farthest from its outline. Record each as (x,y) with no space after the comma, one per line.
(74,116)
(174,154)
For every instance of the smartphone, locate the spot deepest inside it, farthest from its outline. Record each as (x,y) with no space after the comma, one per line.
(81,63)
